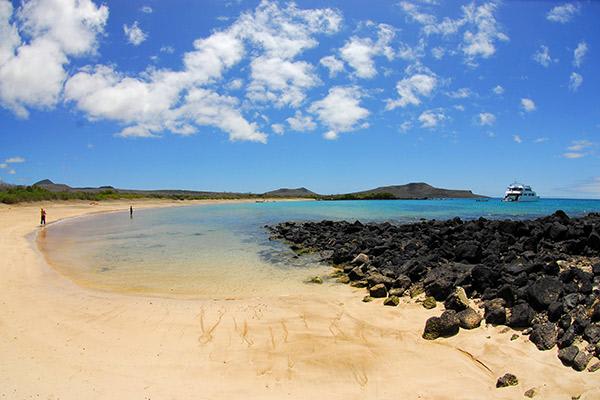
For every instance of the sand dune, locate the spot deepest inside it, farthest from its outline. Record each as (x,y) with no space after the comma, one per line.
(58,340)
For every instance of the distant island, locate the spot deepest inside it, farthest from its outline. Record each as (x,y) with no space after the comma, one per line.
(48,190)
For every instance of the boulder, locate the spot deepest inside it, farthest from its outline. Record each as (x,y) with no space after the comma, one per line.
(378,291)
(507,380)
(392,301)
(593,241)
(594,367)
(356,274)
(457,301)
(429,303)
(469,318)
(360,259)
(468,251)
(566,339)
(544,336)
(592,333)
(402,282)
(544,291)
(595,313)
(521,316)
(531,393)
(581,361)
(495,313)
(567,355)
(376,278)
(443,326)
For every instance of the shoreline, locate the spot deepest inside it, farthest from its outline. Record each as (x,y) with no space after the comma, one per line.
(64,341)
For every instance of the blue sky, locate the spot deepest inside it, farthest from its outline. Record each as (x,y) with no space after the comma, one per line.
(337,96)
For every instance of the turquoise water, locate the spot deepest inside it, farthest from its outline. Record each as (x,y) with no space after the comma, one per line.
(223,250)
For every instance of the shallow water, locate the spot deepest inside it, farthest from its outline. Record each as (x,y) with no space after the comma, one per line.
(223,250)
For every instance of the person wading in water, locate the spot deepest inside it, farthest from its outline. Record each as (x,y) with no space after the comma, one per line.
(43,217)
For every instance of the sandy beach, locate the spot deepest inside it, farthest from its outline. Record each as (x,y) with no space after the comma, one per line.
(62,341)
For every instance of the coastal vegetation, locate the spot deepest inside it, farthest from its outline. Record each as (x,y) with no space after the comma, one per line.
(47,190)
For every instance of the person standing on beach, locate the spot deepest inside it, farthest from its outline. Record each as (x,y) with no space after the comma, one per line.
(43,217)
(130,211)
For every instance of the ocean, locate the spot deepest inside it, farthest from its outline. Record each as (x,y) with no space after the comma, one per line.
(222,251)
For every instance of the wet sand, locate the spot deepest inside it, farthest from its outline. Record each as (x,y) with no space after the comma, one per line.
(59,340)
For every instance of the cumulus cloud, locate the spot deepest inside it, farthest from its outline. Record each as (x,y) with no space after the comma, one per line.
(517,139)
(146,9)
(280,82)
(528,105)
(340,110)
(167,49)
(498,90)
(278,129)
(575,80)
(431,118)
(542,56)
(181,101)
(480,29)
(486,119)
(411,89)
(37,42)
(134,34)
(563,13)
(579,53)
(333,64)
(438,52)
(301,123)
(359,52)
(461,93)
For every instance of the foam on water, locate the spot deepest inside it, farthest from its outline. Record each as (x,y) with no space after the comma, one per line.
(224,251)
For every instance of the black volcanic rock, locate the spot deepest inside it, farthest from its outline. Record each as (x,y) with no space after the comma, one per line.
(532,274)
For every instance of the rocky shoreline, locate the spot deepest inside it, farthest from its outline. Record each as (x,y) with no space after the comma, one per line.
(541,277)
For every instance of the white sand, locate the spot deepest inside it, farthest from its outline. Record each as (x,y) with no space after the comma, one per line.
(61,341)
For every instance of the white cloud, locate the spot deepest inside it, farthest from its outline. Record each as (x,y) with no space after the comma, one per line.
(459,107)
(461,93)
(405,126)
(278,129)
(517,139)
(167,49)
(12,172)
(579,53)
(528,105)
(235,84)
(14,160)
(301,123)
(481,30)
(413,53)
(578,149)
(481,42)
(498,90)
(3,165)
(332,64)
(411,90)
(281,82)
(146,9)
(359,53)
(575,80)
(542,56)
(32,68)
(438,52)
(579,145)
(431,118)
(223,18)
(563,13)
(486,119)
(340,110)
(134,34)
(541,140)
(164,100)
(573,155)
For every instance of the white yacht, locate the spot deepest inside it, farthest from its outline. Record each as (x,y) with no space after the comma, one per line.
(518,192)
